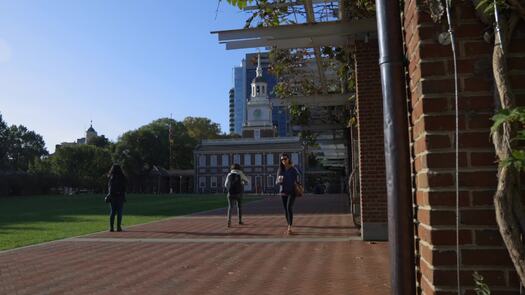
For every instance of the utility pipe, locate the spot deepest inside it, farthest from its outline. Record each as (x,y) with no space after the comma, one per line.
(397,156)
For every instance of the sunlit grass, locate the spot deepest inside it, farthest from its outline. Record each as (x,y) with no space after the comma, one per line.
(36,219)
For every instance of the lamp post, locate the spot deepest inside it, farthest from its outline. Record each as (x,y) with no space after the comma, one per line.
(272,187)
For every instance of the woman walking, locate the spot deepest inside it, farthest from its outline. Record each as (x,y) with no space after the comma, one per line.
(116,196)
(287,176)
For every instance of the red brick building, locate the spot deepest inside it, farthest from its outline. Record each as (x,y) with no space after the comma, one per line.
(432,130)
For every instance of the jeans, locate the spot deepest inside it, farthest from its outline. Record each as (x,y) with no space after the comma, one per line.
(288,201)
(115,208)
(231,201)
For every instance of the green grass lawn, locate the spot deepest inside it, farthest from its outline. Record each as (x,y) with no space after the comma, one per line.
(35,219)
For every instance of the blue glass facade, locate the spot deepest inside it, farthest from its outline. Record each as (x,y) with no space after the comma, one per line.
(239,97)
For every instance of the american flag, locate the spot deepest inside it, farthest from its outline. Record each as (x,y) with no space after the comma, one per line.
(170,144)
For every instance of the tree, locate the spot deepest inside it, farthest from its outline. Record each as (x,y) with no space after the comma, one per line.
(507,132)
(100,141)
(23,147)
(81,166)
(139,150)
(200,128)
(4,131)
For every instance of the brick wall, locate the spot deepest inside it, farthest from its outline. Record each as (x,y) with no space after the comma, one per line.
(371,141)
(431,87)
(247,133)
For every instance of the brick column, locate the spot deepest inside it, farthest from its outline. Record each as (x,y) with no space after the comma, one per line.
(432,98)
(371,142)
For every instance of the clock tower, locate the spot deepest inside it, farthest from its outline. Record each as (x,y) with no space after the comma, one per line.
(259,108)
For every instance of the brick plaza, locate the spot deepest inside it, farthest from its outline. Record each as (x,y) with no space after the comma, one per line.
(198,255)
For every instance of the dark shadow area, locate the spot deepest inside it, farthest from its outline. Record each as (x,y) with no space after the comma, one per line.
(310,204)
(78,208)
(219,234)
(324,227)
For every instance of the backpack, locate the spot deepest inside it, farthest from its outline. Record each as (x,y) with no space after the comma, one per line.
(234,184)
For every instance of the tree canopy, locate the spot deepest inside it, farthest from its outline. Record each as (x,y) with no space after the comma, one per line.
(141,149)
(200,128)
(4,131)
(19,147)
(81,166)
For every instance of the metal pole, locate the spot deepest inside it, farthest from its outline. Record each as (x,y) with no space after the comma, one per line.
(397,156)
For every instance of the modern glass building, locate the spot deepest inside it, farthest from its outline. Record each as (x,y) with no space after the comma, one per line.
(239,100)
(232,111)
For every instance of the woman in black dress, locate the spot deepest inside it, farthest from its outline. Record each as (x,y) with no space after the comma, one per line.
(287,176)
(116,196)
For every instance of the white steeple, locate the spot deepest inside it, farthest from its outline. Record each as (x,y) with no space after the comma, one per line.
(259,122)
(259,69)
(259,85)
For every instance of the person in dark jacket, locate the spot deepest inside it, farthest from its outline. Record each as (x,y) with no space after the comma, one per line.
(116,195)
(287,176)
(235,191)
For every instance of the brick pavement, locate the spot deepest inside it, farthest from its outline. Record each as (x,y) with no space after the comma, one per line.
(198,255)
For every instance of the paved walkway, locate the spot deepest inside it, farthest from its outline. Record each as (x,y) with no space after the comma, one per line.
(197,254)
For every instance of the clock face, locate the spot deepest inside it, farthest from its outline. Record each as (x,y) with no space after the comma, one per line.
(257,113)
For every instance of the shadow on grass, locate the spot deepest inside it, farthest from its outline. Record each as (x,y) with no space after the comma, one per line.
(16,211)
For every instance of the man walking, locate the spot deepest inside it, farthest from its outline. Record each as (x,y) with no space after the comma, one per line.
(235,186)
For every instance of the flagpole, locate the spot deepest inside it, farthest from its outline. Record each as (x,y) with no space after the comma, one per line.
(170,140)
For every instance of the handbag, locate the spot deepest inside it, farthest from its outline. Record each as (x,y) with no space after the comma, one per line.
(298,189)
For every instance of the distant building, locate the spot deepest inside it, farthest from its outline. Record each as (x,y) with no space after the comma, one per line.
(280,114)
(243,76)
(259,122)
(257,151)
(91,134)
(239,98)
(232,111)
(259,159)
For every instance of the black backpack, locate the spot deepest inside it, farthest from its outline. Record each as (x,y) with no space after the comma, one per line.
(234,184)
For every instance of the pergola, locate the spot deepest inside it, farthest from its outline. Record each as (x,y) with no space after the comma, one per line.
(396,224)
(312,34)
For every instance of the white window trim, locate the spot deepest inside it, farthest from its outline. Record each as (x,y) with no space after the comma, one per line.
(202,160)
(237,159)
(212,164)
(268,162)
(260,160)
(247,160)
(227,162)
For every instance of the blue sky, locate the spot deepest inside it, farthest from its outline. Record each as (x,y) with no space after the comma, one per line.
(120,63)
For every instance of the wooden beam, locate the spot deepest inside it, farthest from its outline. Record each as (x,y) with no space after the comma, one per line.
(300,30)
(288,4)
(319,127)
(289,43)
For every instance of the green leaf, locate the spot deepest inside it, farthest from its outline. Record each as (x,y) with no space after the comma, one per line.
(499,118)
(482,3)
(481,287)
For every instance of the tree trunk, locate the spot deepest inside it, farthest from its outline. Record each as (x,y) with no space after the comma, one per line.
(507,200)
